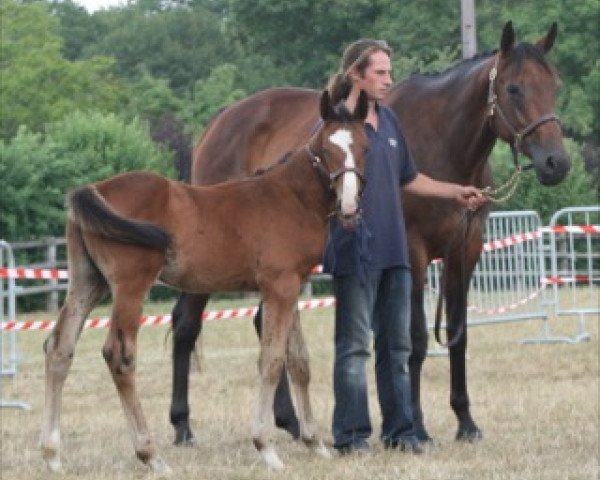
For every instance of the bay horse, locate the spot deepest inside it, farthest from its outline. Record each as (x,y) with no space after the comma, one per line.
(451,121)
(263,233)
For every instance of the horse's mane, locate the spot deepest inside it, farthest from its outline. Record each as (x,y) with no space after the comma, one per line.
(521,52)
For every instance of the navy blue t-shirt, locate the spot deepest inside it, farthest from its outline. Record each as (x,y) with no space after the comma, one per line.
(380,240)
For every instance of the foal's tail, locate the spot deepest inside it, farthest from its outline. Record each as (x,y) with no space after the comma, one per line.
(90,211)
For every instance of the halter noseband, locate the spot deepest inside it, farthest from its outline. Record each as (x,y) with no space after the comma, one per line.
(518,136)
(330,177)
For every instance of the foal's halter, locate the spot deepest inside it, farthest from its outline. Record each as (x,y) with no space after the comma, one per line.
(331,177)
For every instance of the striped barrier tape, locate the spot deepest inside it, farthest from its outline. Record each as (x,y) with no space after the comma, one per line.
(50,274)
(154,320)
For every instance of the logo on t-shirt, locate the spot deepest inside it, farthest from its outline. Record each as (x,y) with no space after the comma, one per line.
(393,142)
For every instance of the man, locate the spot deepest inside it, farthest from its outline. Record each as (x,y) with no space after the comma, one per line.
(370,265)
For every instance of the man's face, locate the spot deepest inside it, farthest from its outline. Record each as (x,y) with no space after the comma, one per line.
(377,77)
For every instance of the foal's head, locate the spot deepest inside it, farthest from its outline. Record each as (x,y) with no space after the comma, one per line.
(340,146)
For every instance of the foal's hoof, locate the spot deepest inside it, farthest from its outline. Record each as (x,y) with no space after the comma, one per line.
(159,468)
(471,435)
(271,459)
(52,459)
(321,450)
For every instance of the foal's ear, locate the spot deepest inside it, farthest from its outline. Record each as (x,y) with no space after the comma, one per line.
(508,38)
(362,107)
(545,43)
(327,110)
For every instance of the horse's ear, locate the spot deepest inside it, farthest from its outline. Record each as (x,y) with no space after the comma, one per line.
(327,110)
(545,43)
(508,38)
(362,106)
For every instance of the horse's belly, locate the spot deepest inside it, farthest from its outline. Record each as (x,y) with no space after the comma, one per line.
(206,278)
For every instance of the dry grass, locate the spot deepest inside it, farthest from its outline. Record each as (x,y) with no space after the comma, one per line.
(537,405)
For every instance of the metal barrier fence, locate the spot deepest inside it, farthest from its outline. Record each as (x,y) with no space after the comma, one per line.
(506,283)
(8,340)
(47,253)
(573,242)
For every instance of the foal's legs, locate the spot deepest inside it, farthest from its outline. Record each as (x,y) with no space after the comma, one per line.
(299,368)
(86,289)
(283,408)
(278,309)
(119,351)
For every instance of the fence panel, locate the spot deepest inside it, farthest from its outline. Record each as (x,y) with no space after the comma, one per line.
(506,283)
(573,239)
(8,340)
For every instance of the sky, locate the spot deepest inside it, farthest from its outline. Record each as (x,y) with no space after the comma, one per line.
(93,5)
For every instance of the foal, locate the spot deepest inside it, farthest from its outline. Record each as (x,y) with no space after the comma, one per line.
(263,233)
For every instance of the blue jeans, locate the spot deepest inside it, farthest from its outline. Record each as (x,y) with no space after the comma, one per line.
(383,305)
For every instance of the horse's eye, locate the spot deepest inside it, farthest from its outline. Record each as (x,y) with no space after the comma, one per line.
(513,89)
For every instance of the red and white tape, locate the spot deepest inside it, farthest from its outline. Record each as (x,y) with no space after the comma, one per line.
(52,274)
(154,320)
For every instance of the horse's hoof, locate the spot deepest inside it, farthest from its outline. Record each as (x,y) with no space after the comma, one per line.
(469,436)
(271,458)
(184,437)
(290,425)
(159,468)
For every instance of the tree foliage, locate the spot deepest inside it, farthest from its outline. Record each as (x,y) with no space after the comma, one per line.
(38,85)
(171,64)
(37,170)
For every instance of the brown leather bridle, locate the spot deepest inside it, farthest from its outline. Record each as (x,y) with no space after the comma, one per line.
(518,135)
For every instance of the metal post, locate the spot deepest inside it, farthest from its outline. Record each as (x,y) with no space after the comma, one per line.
(8,308)
(52,301)
(469,40)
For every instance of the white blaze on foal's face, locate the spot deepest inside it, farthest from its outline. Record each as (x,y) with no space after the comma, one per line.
(348,201)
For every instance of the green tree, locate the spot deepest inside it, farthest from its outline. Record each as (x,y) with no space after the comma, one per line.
(37,170)
(179,44)
(214,93)
(37,85)
(576,189)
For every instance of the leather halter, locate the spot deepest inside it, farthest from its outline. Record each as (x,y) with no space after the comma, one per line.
(329,178)
(323,170)
(518,135)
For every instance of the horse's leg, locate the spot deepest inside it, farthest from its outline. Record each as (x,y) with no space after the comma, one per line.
(278,309)
(458,274)
(119,351)
(419,337)
(283,408)
(299,368)
(187,325)
(86,289)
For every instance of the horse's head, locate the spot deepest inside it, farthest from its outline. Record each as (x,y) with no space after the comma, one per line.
(522,99)
(339,148)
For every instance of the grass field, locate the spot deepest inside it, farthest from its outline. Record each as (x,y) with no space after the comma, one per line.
(537,406)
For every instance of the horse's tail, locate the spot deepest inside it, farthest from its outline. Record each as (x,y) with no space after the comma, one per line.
(90,211)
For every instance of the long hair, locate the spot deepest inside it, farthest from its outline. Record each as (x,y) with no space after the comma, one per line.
(356,56)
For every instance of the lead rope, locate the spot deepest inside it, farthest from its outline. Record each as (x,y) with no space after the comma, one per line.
(502,193)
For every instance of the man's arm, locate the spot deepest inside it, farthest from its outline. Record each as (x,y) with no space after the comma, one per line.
(465,195)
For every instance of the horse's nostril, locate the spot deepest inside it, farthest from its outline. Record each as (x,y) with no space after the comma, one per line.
(551,163)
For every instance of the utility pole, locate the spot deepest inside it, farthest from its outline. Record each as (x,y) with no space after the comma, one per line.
(469,41)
